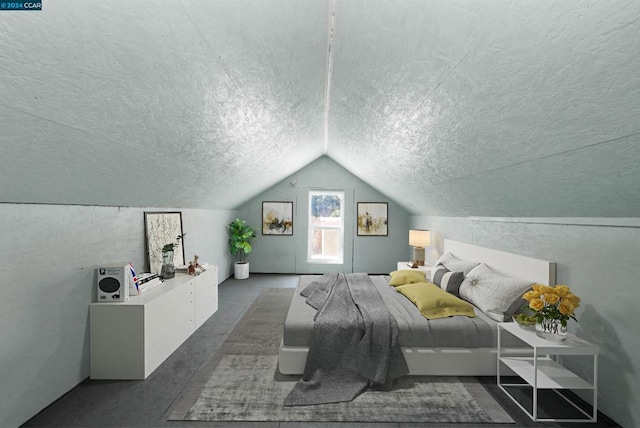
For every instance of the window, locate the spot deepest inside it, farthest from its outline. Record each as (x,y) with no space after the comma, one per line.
(326,227)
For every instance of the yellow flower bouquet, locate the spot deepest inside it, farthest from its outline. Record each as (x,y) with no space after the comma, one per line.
(553,307)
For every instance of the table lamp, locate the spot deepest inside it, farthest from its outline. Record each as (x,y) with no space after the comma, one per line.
(418,239)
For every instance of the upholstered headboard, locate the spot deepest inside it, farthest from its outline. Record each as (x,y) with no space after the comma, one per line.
(513,265)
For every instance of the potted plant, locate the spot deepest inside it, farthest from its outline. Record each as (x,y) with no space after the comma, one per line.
(168,269)
(240,237)
(553,307)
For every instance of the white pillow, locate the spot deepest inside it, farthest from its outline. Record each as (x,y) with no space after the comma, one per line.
(454,264)
(496,295)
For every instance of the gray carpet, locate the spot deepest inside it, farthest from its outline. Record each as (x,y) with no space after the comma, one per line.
(242,383)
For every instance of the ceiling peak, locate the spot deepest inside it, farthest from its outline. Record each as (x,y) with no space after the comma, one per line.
(331,27)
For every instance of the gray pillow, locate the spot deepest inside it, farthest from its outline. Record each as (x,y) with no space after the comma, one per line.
(447,280)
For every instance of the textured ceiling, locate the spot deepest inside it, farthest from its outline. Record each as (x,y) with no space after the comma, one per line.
(486,108)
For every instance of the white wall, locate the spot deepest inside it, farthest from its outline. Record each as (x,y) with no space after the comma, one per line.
(599,259)
(47,272)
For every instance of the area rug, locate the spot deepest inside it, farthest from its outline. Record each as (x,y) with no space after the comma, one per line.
(242,383)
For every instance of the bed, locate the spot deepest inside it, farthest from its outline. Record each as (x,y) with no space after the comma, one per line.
(453,346)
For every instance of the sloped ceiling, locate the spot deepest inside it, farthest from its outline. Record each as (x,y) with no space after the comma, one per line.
(457,108)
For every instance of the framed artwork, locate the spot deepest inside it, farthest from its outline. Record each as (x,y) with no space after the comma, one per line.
(373,219)
(161,228)
(277,218)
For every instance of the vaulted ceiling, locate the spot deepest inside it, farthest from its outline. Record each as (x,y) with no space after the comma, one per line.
(456,108)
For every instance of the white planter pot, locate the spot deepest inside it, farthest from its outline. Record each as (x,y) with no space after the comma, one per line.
(241,270)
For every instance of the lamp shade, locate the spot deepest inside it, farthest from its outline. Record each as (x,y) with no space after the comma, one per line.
(419,238)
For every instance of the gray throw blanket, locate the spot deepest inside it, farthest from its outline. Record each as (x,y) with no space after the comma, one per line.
(354,342)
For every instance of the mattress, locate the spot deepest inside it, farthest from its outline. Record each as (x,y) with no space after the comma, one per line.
(415,330)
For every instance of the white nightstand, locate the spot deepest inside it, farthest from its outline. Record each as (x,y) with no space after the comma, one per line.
(543,369)
(426,268)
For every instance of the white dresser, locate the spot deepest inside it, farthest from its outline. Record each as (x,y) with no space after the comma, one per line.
(129,340)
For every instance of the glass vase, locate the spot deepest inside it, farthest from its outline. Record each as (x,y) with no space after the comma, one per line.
(168,269)
(551,329)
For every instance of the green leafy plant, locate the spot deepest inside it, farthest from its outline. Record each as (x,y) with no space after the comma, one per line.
(240,238)
(171,246)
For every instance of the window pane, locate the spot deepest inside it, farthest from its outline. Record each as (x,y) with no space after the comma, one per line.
(326,244)
(316,243)
(325,221)
(326,205)
(331,244)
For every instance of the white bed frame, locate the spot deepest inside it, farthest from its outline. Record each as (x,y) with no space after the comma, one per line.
(452,361)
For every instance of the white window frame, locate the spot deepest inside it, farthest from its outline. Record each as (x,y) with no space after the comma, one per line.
(310,229)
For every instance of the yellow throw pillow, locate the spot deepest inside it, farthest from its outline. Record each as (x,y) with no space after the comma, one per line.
(433,302)
(402,277)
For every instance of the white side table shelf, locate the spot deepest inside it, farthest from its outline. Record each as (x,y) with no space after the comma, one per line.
(426,268)
(544,369)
